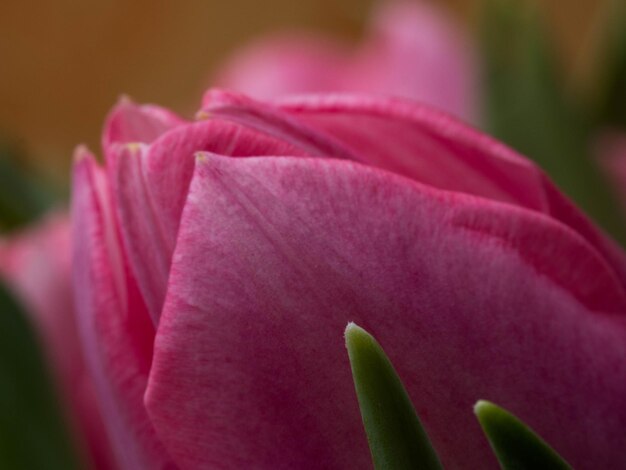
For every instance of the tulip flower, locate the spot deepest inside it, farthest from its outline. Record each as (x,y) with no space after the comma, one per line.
(216,262)
(411,49)
(36,264)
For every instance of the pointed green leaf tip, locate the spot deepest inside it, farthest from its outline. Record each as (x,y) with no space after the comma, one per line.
(515,444)
(396,438)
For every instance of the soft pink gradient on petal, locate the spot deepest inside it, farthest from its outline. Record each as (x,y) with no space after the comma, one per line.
(416,51)
(287,63)
(36,264)
(470,298)
(412,49)
(115,328)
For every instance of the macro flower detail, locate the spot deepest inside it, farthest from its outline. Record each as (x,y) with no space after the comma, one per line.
(216,263)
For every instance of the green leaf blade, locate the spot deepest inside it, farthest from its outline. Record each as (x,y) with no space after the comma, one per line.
(395,435)
(515,444)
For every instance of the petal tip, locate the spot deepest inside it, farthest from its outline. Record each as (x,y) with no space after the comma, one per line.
(201,157)
(81,154)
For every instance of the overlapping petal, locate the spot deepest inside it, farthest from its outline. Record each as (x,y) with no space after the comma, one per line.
(423,144)
(477,298)
(150,185)
(115,328)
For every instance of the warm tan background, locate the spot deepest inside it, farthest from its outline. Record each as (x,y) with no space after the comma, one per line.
(64,62)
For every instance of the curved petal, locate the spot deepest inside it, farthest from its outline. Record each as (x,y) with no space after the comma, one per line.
(150,185)
(115,330)
(274,257)
(435,149)
(129,122)
(271,121)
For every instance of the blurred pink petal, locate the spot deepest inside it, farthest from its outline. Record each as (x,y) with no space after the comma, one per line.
(36,264)
(412,50)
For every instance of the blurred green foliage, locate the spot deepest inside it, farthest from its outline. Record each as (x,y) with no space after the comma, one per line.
(528,106)
(24,196)
(33,434)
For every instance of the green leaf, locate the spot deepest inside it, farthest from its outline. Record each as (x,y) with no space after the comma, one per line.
(33,434)
(515,444)
(613,87)
(527,107)
(396,438)
(22,198)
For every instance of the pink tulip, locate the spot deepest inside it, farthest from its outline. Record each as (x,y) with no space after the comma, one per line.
(212,292)
(412,49)
(36,264)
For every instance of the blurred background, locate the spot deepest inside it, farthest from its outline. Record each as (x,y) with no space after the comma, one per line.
(64,63)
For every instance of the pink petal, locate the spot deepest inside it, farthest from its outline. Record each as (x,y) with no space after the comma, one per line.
(270,120)
(412,49)
(150,188)
(416,51)
(115,330)
(129,122)
(471,299)
(435,149)
(285,64)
